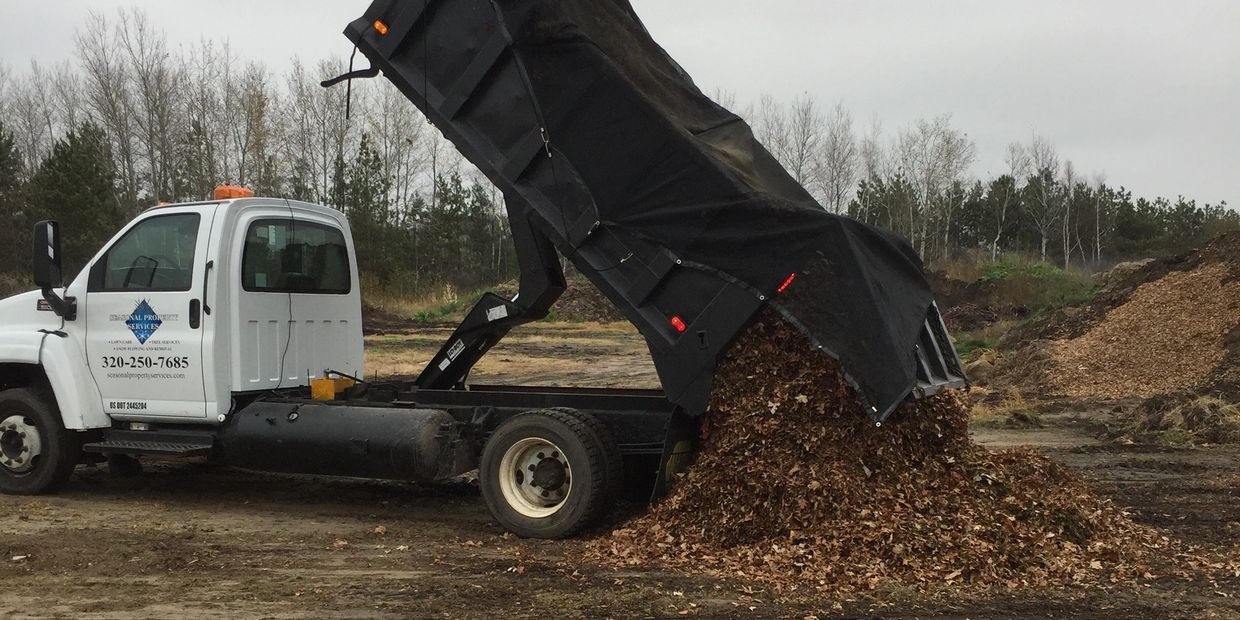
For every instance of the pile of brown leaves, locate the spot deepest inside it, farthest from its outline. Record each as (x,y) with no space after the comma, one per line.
(795,486)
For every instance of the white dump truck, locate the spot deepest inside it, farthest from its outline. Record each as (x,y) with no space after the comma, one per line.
(230,329)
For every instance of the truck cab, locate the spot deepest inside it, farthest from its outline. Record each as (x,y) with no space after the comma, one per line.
(191,305)
(198,329)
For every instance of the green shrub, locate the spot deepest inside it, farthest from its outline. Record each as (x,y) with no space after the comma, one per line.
(1037,285)
(968,343)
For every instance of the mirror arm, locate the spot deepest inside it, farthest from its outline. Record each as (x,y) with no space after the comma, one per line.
(64,307)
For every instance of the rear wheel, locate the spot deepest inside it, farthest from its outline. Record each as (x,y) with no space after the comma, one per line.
(37,454)
(547,474)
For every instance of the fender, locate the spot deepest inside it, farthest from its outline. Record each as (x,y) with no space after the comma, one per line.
(62,362)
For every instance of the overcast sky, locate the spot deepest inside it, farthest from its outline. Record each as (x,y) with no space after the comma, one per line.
(1147,92)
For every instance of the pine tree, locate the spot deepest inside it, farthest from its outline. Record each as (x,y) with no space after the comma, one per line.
(365,191)
(76,185)
(14,229)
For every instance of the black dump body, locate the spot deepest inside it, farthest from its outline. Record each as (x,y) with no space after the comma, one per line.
(603,146)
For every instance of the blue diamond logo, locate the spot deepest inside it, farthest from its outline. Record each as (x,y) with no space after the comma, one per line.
(143,322)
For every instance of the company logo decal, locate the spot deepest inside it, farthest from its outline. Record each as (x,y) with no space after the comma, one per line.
(143,322)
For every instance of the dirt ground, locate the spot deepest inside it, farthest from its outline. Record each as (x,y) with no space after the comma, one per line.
(564,354)
(192,540)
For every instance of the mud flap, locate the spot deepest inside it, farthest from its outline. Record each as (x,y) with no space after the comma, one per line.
(680,447)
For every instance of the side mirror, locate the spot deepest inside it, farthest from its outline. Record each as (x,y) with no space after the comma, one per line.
(47,269)
(47,266)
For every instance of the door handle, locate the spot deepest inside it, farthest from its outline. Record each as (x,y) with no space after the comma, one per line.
(206,274)
(195,313)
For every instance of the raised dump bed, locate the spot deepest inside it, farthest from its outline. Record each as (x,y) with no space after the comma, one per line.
(605,149)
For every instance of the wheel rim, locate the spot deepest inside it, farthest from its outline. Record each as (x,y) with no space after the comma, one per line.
(535,477)
(21,444)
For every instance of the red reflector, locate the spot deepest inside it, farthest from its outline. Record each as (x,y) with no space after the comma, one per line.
(783,287)
(679,324)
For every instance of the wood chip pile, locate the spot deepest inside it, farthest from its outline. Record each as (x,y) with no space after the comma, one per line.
(1169,335)
(796,487)
(1158,327)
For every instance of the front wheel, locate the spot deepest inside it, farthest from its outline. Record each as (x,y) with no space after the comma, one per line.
(545,474)
(37,454)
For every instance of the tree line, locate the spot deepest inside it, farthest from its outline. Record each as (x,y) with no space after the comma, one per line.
(134,120)
(918,183)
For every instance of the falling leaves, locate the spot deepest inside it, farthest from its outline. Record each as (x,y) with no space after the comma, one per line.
(794,486)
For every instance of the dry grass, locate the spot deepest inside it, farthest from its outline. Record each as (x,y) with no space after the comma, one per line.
(1189,419)
(1011,412)
(569,355)
(406,305)
(967,267)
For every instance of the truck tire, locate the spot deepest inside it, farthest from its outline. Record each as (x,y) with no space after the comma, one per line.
(612,458)
(544,474)
(37,454)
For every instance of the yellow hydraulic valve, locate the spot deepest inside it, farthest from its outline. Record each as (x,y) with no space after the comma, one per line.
(329,388)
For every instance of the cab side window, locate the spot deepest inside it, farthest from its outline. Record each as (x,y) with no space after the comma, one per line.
(157,254)
(283,256)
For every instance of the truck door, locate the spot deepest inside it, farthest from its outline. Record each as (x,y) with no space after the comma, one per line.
(144,316)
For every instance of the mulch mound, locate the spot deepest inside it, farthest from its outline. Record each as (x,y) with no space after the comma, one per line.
(1169,335)
(795,486)
(969,306)
(1119,285)
(582,302)
(1159,328)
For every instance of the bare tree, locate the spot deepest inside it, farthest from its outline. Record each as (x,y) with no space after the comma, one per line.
(67,96)
(805,133)
(107,90)
(1017,161)
(318,136)
(933,156)
(156,84)
(771,127)
(725,98)
(875,163)
(6,81)
(840,160)
(399,132)
(1068,188)
(1045,205)
(31,117)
